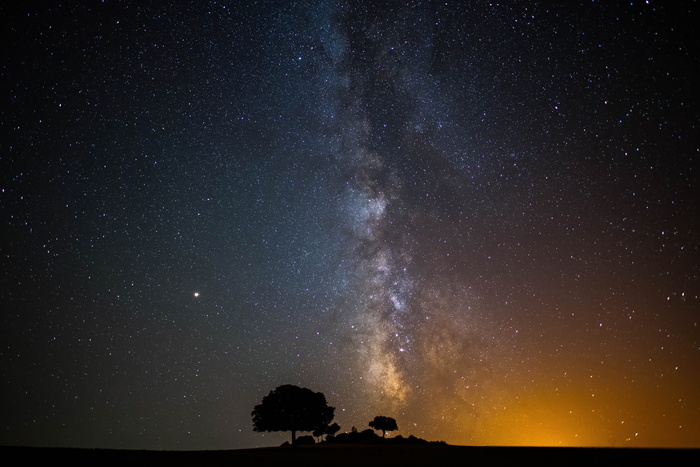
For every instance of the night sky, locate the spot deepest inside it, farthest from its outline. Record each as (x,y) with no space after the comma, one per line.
(478,218)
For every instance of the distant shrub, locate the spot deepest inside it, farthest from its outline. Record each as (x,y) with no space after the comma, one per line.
(354,437)
(370,437)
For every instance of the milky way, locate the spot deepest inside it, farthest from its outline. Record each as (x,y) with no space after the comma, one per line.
(386,102)
(477,218)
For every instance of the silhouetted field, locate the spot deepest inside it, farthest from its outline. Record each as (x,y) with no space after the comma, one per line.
(359,455)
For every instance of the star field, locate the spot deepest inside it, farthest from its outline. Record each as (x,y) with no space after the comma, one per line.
(478,218)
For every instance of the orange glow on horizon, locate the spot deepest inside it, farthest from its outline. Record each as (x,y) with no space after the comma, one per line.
(577,417)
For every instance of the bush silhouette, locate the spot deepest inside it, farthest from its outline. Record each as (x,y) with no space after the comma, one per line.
(329,430)
(354,437)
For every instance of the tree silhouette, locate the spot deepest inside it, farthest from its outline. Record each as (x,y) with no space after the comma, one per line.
(383,423)
(318,432)
(333,429)
(291,408)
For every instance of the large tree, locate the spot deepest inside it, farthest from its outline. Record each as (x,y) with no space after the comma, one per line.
(383,423)
(291,408)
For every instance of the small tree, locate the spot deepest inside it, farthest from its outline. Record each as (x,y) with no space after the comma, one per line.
(291,408)
(384,424)
(318,432)
(332,429)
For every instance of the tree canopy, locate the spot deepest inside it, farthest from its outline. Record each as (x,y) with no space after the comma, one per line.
(291,408)
(384,424)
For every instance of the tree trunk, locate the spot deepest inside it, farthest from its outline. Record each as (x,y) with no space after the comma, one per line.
(294,438)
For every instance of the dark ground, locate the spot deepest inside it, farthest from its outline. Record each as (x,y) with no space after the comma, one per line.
(360,455)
